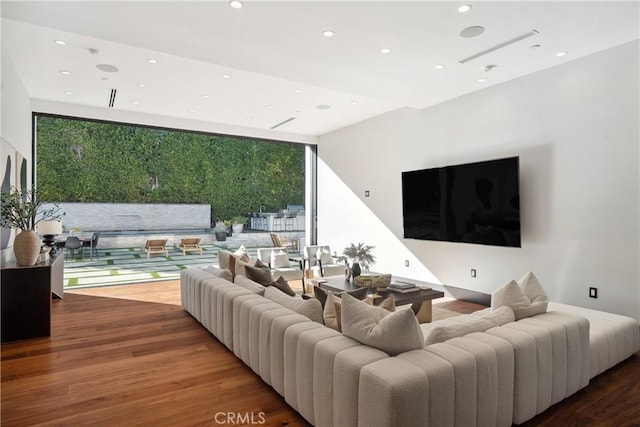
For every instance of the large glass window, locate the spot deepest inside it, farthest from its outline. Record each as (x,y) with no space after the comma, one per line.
(91,161)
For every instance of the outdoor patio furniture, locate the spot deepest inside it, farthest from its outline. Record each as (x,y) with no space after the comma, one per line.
(156,246)
(190,244)
(291,220)
(279,242)
(277,224)
(92,244)
(71,244)
(322,262)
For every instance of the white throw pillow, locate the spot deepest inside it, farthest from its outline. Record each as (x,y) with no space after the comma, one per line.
(324,256)
(513,295)
(240,264)
(499,316)
(280,259)
(310,308)
(391,332)
(223,273)
(241,251)
(452,327)
(249,284)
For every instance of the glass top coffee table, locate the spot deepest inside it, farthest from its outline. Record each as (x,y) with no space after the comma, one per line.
(420,300)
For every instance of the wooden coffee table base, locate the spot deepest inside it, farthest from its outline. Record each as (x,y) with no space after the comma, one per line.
(423,311)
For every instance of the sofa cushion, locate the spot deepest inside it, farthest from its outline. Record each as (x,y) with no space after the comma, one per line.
(249,284)
(321,294)
(393,333)
(310,308)
(525,297)
(222,273)
(499,316)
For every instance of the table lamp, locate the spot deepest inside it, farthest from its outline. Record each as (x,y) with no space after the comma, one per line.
(49,229)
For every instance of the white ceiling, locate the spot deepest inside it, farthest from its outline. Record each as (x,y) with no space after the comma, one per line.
(281,66)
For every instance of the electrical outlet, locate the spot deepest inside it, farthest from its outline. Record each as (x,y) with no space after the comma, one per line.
(406,263)
(366,193)
(473,272)
(593,292)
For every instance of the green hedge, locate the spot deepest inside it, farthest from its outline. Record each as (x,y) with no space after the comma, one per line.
(85,161)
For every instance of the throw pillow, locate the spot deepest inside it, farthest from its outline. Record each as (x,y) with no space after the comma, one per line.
(499,316)
(389,303)
(324,256)
(280,259)
(393,333)
(514,296)
(249,284)
(453,327)
(331,312)
(282,285)
(310,308)
(240,263)
(321,294)
(241,251)
(219,272)
(260,275)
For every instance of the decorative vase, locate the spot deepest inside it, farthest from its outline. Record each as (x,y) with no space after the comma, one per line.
(355,269)
(26,247)
(237,228)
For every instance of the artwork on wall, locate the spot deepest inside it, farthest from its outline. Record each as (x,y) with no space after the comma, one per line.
(14,173)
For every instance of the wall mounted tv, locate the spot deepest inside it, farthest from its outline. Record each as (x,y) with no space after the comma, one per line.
(471,203)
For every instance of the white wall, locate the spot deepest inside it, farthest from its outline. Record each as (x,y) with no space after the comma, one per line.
(575,128)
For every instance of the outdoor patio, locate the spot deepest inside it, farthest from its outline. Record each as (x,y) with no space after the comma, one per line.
(121,259)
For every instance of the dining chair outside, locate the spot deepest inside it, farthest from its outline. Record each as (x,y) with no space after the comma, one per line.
(71,244)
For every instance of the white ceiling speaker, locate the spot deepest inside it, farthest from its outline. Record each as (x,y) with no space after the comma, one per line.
(470,32)
(107,68)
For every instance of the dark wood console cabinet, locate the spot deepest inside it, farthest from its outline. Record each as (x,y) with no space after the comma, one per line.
(26,297)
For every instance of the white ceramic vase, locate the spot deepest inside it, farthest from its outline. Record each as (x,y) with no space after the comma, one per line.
(26,247)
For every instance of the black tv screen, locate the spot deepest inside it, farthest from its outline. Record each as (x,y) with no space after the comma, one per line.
(471,203)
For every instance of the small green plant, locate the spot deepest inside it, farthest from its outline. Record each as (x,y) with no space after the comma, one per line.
(359,253)
(220,227)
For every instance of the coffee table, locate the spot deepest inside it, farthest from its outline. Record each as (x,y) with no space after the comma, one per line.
(420,300)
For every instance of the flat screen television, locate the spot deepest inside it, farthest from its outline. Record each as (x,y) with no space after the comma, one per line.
(470,203)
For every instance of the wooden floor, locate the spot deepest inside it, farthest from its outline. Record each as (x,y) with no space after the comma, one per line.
(129,355)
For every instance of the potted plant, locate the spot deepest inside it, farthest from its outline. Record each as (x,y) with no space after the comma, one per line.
(238,223)
(228,223)
(220,230)
(23,210)
(360,257)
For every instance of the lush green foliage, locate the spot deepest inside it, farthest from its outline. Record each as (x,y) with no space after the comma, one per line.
(83,161)
(24,209)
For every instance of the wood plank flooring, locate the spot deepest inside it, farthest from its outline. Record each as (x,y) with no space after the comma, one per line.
(129,355)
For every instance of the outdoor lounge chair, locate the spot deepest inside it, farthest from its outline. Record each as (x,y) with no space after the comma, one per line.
(157,246)
(191,244)
(279,242)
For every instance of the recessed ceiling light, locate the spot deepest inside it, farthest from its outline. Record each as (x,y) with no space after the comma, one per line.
(354,103)
(236,4)
(135,102)
(152,61)
(323,107)
(192,111)
(60,42)
(142,85)
(561,53)
(205,96)
(473,31)
(439,67)
(269,107)
(385,50)
(328,33)
(68,92)
(226,76)
(298,90)
(107,68)
(65,72)
(482,80)
(464,8)
(249,119)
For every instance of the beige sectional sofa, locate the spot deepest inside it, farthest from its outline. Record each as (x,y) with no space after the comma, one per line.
(503,375)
